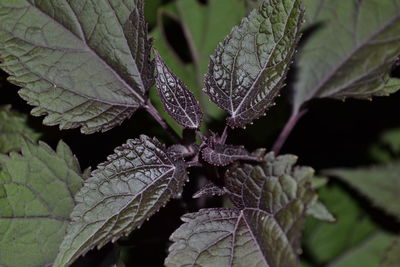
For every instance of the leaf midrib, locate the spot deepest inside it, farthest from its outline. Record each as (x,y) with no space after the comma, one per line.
(78,251)
(234,112)
(349,56)
(181,89)
(90,50)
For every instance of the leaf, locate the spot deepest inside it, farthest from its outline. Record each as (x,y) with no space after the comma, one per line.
(264,228)
(209,189)
(380,184)
(391,257)
(203,27)
(351,52)
(37,191)
(249,67)
(387,149)
(391,138)
(323,242)
(13,128)
(252,4)
(367,254)
(223,154)
(178,101)
(82,63)
(132,185)
(318,182)
(319,211)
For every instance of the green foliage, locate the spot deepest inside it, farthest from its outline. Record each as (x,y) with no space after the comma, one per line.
(380,184)
(351,51)
(391,139)
(203,27)
(13,129)
(326,241)
(391,258)
(367,254)
(320,211)
(37,189)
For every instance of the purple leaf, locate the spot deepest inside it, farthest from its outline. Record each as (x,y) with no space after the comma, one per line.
(264,229)
(208,190)
(133,184)
(249,67)
(222,154)
(178,101)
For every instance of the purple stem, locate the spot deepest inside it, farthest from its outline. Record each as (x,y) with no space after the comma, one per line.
(290,124)
(224,134)
(156,115)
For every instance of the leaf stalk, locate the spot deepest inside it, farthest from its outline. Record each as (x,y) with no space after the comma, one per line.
(289,126)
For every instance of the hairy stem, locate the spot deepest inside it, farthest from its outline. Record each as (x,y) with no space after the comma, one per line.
(156,115)
(290,124)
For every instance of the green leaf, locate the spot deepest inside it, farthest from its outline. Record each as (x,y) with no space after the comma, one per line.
(367,254)
(263,230)
(251,4)
(391,257)
(37,191)
(248,69)
(380,184)
(13,128)
(203,27)
(387,149)
(132,185)
(318,182)
(83,64)
(325,241)
(319,211)
(351,51)
(391,138)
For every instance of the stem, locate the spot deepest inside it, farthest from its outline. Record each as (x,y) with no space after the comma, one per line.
(290,124)
(154,113)
(224,134)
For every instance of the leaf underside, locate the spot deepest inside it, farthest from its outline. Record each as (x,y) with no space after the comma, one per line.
(122,193)
(37,189)
(203,27)
(380,184)
(13,128)
(82,63)
(263,230)
(351,52)
(209,190)
(249,67)
(223,155)
(178,101)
